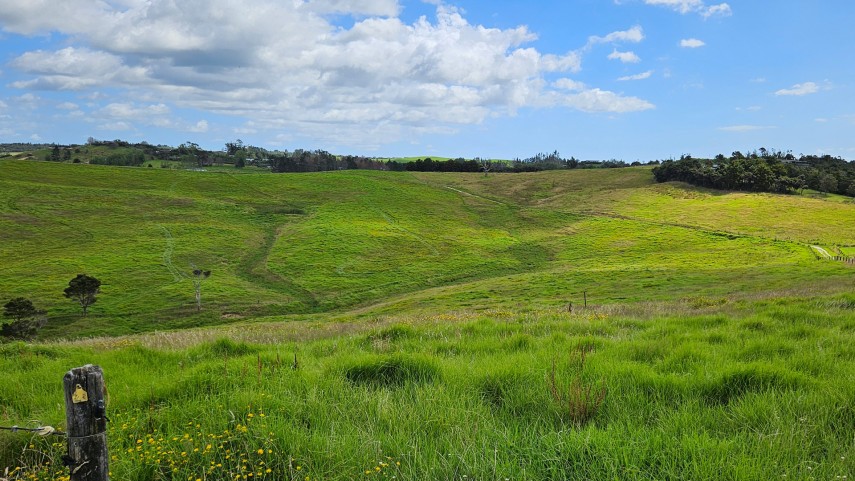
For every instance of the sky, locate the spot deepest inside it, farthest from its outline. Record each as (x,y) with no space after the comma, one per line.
(594,79)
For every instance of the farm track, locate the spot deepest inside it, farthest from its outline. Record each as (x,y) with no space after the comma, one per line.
(253,268)
(167,255)
(469,194)
(696,228)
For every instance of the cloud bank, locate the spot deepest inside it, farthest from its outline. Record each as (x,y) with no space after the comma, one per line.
(287,66)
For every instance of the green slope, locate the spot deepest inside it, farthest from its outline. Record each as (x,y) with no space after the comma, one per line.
(365,243)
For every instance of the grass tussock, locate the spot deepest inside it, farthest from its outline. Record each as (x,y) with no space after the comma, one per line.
(392,371)
(577,401)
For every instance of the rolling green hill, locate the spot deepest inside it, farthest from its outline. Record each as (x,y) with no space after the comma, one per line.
(410,326)
(365,242)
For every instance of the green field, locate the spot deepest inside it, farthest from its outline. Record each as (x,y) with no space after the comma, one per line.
(367,243)
(763,391)
(425,311)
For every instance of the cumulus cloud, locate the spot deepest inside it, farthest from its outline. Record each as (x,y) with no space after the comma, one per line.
(691,43)
(640,76)
(625,57)
(800,89)
(694,6)
(285,66)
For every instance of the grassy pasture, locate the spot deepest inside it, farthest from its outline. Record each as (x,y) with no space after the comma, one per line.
(707,389)
(368,243)
(425,311)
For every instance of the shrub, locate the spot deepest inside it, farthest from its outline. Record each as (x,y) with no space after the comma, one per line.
(26,320)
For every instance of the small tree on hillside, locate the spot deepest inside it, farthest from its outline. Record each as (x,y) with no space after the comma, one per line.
(84,290)
(198,276)
(486,165)
(25,319)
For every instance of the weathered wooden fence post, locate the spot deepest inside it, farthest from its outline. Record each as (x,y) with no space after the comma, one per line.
(85,413)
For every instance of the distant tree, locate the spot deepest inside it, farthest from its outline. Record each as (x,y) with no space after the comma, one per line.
(84,290)
(851,190)
(234,147)
(198,276)
(486,165)
(827,183)
(25,319)
(240,159)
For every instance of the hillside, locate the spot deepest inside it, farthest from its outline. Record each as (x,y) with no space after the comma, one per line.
(362,243)
(411,326)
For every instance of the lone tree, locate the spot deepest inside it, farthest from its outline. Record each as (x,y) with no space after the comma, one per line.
(199,276)
(25,319)
(83,289)
(486,165)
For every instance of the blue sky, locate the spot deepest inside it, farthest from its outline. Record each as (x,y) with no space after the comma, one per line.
(595,79)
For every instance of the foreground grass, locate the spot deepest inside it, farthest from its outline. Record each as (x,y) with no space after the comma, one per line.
(707,388)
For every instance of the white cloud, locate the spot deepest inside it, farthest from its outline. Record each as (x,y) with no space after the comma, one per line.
(633,35)
(722,10)
(569,84)
(682,6)
(691,43)
(288,67)
(200,127)
(821,120)
(67,106)
(694,6)
(800,89)
(387,8)
(74,69)
(745,128)
(129,111)
(596,100)
(625,57)
(640,76)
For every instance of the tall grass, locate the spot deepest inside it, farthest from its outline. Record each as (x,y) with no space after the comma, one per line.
(759,392)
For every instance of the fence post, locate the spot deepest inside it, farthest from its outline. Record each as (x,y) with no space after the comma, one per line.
(86,424)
